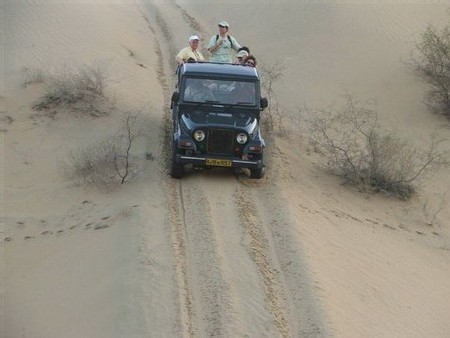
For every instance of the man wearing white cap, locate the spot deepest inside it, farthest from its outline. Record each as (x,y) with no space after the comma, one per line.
(221,45)
(190,52)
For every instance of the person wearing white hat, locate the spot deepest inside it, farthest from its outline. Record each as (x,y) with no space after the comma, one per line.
(240,57)
(191,52)
(220,45)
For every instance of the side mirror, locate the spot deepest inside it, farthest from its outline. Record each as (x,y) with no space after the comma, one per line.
(174,99)
(264,103)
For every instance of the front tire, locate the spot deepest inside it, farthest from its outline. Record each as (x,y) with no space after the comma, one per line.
(176,169)
(258,173)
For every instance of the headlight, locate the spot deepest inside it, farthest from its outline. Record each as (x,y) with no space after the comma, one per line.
(241,138)
(199,135)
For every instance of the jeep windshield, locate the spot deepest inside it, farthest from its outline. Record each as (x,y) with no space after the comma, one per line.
(219,91)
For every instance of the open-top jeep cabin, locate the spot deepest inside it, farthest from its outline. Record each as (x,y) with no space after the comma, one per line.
(216,111)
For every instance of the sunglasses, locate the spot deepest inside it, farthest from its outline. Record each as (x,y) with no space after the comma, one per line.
(223,26)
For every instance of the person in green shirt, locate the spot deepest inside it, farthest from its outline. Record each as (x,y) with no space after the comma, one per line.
(221,45)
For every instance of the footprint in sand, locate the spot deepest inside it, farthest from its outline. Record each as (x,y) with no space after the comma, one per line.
(101,226)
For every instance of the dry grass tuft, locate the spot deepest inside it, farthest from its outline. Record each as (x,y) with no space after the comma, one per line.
(81,90)
(108,162)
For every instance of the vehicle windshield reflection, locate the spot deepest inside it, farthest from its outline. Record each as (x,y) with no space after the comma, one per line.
(219,91)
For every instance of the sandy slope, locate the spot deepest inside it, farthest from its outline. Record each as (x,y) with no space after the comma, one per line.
(293,255)
(72,269)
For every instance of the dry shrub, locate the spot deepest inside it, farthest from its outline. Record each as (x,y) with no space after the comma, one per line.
(361,153)
(270,74)
(32,75)
(431,210)
(94,164)
(108,162)
(80,90)
(431,61)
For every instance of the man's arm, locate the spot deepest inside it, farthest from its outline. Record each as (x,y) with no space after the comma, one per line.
(235,44)
(181,56)
(213,45)
(179,60)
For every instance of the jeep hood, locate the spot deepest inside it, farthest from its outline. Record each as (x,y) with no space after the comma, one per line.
(196,119)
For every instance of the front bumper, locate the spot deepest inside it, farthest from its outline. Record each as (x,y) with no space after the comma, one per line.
(234,162)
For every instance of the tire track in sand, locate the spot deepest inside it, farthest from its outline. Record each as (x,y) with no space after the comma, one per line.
(259,247)
(195,26)
(306,317)
(205,297)
(176,223)
(212,292)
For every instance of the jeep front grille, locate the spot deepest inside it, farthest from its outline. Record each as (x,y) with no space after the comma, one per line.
(220,142)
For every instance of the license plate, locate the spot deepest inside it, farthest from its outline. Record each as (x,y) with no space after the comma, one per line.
(218,162)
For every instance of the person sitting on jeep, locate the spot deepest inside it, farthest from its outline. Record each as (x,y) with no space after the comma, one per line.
(197,90)
(240,57)
(250,60)
(191,52)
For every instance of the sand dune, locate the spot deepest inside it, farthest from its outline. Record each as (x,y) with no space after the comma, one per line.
(296,254)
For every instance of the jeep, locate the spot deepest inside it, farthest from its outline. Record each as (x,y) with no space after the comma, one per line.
(216,118)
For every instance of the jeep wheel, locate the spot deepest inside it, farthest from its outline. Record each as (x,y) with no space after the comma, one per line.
(176,169)
(257,173)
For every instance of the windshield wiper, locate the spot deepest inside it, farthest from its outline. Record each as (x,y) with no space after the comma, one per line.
(244,103)
(206,102)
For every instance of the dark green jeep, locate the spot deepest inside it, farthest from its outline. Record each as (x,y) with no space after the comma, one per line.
(216,112)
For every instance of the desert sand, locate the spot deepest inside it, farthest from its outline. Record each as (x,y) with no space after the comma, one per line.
(296,254)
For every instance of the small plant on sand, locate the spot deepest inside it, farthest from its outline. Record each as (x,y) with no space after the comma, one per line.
(361,153)
(80,90)
(32,75)
(271,74)
(432,210)
(431,61)
(108,162)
